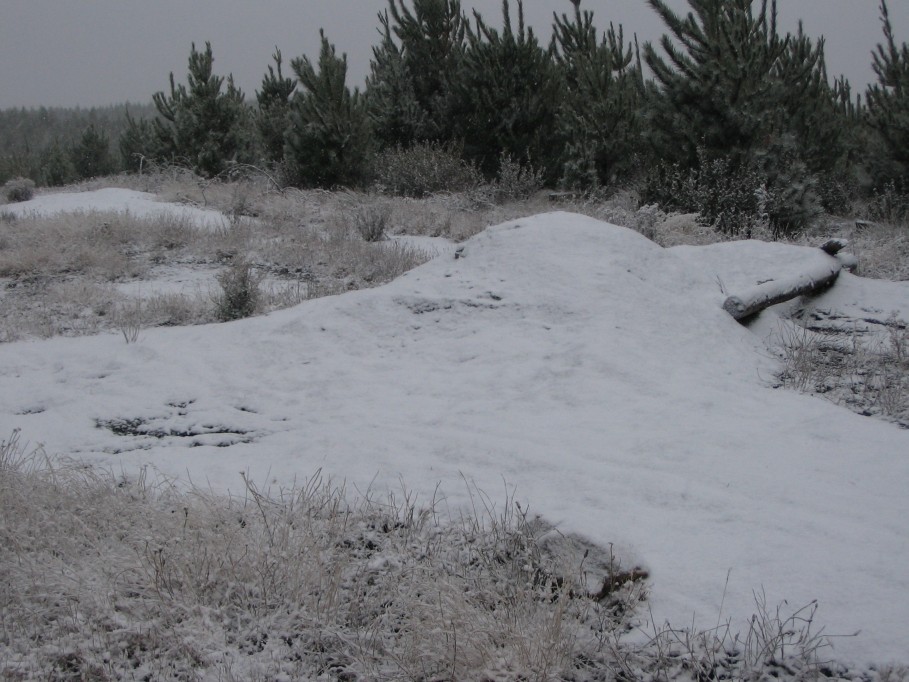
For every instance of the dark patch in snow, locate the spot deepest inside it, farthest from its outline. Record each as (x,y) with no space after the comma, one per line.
(137,426)
(420,306)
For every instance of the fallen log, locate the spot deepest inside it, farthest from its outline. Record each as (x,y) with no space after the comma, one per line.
(820,276)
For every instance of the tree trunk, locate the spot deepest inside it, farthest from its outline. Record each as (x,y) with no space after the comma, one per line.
(752,301)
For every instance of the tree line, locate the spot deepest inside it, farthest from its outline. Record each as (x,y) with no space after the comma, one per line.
(726,114)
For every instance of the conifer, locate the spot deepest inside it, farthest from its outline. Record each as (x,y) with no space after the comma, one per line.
(199,124)
(409,89)
(273,117)
(888,107)
(506,95)
(328,142)
(599,118)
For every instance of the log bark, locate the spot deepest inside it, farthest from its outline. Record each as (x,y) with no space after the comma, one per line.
(754,300)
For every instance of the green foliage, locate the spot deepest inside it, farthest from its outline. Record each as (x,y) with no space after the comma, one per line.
(56,166)
(198,123)
(136,143)
(888,106)
(91,155)
(409,89)
(734,89)
(240,292)
(505,95)
(329,142)
(26,135)
(19,189)
(273,116)
(716,84)
(598,117)
(423,169)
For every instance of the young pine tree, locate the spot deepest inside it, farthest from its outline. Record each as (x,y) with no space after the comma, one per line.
(506,95)
(273,117)
(137,144)
(409,89)
(598,119)
(733,91)
(56,166)
(91,155)
(328,142)
(199,124)
(888,107)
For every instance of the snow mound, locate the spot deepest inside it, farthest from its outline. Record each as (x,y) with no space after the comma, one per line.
(574,361)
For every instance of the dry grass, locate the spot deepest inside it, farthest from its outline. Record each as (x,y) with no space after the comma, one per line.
(775,643)
(133,578)
(124,578)
(866,370)
(302,245)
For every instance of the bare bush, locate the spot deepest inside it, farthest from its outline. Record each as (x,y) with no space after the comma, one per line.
(371,221)
(424,169)
(19,189)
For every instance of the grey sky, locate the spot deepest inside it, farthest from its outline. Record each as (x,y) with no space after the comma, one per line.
(96,52)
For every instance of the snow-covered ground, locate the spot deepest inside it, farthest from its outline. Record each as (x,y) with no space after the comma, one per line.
(114,199)
(572,361)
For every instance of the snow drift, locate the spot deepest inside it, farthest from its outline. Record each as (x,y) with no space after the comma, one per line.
(573,361)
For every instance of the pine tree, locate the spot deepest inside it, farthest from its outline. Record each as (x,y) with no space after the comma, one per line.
(329,141)
(409,86)
(506,95)
(888,107)
(598,118)
(716,83)
(91,155)
(734,91)
(137,144)
(199,124)
(56,166)
(273,117)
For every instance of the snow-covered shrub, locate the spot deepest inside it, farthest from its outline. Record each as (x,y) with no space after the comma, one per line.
(739,201)
(19,189)
(239,296)
(422,169)
(516,181)
(724,197)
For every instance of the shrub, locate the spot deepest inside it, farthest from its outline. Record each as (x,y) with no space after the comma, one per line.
(516,182)
(240,293)
(423,169)
(723,197)
(371,221)
(737,198)
(890,204)
(19,189)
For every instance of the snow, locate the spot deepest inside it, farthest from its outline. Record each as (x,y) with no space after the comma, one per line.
(571,361)
(114,199)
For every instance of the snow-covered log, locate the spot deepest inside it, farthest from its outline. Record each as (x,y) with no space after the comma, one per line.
(818,277)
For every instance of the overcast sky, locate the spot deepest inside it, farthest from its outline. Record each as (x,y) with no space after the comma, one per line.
(96,52)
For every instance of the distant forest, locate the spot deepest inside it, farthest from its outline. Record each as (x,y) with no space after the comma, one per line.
(725,116)
(32,139)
